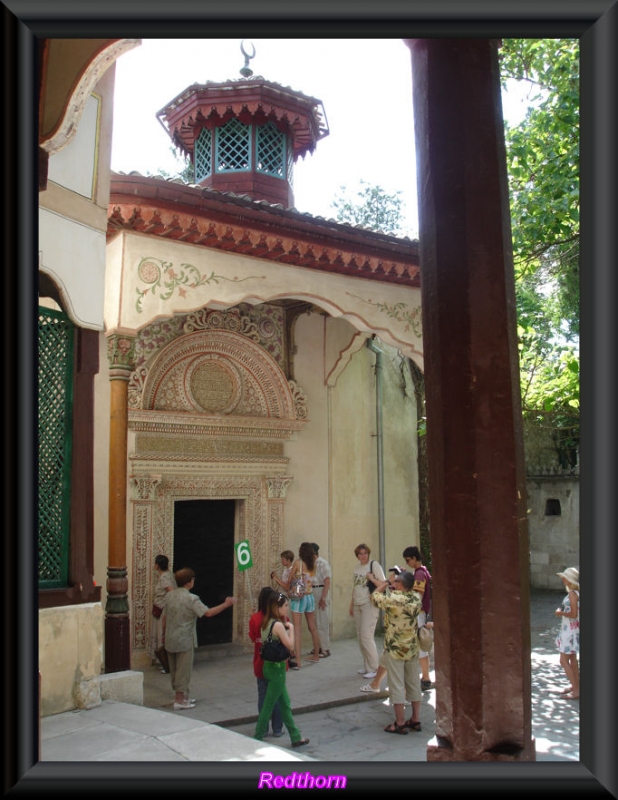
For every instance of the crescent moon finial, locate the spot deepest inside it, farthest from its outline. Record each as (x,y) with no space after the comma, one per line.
(246,71)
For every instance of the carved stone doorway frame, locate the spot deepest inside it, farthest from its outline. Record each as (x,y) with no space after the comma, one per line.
(258,520)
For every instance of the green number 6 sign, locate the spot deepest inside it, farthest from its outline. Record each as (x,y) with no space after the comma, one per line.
(243,555)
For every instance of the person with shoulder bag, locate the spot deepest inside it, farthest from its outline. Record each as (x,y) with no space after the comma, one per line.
(364,611)
(401,607)
(255,634)
(422,585)
(277,628)
(165,583)
(302,602)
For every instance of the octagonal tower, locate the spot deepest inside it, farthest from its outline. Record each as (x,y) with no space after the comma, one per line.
(244,135)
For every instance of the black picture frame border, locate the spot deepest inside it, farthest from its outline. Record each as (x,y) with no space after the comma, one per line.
(595,23)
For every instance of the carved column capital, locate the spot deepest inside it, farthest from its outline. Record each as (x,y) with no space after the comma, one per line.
(278,486)
(121,356)
(144,486)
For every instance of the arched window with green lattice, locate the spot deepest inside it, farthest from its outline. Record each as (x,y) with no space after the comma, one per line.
(55,405)
(271,149)
(203,155)
(233,147)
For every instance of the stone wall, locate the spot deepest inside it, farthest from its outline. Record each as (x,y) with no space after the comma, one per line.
(70,654)
(553,509)
(553,528)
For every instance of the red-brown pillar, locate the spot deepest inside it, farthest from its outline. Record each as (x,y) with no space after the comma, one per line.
(474,429)
(117,620)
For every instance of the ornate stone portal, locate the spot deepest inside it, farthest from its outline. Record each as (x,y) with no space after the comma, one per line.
(209,412)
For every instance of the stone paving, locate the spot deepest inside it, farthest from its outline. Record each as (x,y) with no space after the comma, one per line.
(342,723)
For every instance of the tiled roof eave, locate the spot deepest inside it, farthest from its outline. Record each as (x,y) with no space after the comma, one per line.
(238,224)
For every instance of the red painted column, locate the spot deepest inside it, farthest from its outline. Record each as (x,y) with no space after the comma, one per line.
(474,429)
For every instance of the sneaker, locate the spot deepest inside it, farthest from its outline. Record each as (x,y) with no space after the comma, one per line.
(183,706)
(361,671)
(369,688)
(370,675)
(278,734)
(426,685)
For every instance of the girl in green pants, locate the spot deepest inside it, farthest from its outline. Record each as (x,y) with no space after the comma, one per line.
(274,672)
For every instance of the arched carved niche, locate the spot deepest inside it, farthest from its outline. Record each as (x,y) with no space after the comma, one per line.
(216,372)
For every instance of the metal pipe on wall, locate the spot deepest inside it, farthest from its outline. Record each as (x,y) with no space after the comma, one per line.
(380,444)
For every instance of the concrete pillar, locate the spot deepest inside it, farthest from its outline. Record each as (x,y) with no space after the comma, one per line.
(474,430)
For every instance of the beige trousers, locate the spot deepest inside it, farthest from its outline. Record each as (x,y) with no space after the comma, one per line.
(181,669)
(404,679)
(322,619)
(366,618)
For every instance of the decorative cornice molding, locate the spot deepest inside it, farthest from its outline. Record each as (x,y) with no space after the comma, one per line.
(147,421)
(238,224)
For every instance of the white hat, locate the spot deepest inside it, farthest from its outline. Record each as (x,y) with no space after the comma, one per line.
(571,574)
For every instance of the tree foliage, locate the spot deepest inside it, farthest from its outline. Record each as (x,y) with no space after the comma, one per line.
(185,168)
(373,208)
(543,170)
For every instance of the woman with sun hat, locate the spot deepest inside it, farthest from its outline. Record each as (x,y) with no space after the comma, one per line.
(567,640)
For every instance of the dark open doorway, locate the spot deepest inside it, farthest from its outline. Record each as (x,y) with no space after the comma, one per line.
(204,541)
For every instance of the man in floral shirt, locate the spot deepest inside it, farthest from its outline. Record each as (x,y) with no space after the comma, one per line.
(401,608)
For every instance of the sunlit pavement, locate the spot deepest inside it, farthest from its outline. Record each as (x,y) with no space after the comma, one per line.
(342,723)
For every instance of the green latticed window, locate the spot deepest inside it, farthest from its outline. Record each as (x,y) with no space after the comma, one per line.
(203,155)
(271,147)
(56,335)
(233,146)
(290,175)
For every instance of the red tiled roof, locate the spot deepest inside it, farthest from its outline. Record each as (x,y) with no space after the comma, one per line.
(223,220)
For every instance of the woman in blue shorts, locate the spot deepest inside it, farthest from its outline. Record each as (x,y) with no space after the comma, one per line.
(303,570)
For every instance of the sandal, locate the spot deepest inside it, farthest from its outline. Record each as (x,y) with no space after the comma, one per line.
(300,743)
(312,660)
(414,726)
(394,728)
(324,653)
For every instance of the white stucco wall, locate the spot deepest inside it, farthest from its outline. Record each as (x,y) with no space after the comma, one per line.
(354,473)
